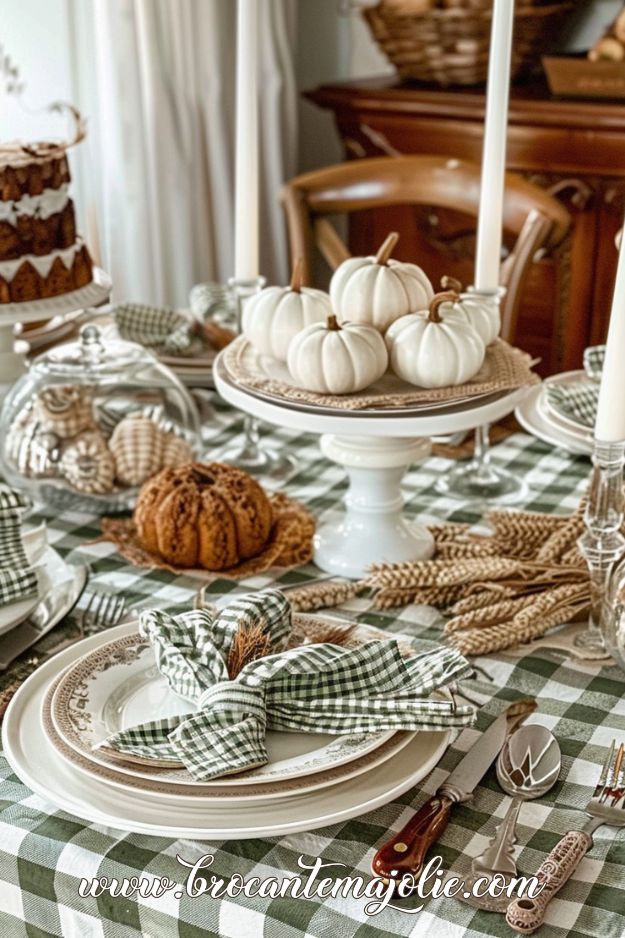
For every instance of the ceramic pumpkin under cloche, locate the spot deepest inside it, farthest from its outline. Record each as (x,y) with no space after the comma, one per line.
(377,290)
(91,421)
(337,359)
(430,351)
(274,316)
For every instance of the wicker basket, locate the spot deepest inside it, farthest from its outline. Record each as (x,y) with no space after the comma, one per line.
(450,45)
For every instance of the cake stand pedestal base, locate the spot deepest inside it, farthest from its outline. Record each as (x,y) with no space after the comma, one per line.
(373,528)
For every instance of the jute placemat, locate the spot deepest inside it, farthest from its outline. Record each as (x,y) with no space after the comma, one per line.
(504,368)
(289,545)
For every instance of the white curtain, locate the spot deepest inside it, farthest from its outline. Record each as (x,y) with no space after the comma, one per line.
(155,78)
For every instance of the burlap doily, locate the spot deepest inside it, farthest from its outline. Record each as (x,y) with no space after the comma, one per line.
(504,369)
(289,545)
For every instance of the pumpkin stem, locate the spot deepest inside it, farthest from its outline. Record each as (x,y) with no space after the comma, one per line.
(451,283)
(387,248)
(296,276)
(332,324)
(450,296)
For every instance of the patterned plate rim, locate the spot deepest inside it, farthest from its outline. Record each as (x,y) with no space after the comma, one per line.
(178,776)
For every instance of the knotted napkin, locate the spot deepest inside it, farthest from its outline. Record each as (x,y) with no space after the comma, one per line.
(155,327)
(317,688)
(18,580)
(578,400)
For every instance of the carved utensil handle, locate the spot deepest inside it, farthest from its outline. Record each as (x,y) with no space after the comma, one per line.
(405,853)
(526,915)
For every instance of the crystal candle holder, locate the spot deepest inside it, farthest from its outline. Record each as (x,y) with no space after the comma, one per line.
(602,544)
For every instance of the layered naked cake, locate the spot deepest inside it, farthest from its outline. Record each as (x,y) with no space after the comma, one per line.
(40,253)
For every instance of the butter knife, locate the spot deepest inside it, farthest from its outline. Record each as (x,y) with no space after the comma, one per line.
(405,852)
(55,605)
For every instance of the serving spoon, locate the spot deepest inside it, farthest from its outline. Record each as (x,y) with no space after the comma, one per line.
(528,766)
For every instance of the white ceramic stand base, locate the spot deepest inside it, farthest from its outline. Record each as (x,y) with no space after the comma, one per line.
(372,528)
(375,450)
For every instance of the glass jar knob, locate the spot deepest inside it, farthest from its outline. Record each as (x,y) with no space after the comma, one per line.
(91,344)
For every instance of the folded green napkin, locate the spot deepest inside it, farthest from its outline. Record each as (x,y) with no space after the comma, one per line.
(578,400)
(155,327)
(320,688)
(18,580)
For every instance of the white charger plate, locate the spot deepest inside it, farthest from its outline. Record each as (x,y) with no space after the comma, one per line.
(530,418)
(34,760)
(117,685)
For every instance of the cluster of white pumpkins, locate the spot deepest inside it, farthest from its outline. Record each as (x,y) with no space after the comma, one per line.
(379,312)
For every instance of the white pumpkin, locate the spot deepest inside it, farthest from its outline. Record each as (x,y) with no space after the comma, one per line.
(275,315)
(333,359)
(432,352)
(378,290)
(478,309)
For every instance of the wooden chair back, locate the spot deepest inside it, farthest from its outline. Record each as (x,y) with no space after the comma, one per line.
(536,220)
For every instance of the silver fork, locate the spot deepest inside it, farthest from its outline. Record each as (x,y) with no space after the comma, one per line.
(607,806)
(104,610)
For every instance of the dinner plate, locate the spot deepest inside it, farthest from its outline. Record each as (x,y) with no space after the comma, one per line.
(530,418)
(215,791)
(34,760)
(568,378)
(553,418)
(117,685)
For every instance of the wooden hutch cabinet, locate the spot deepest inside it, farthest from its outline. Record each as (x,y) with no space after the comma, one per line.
(574,148)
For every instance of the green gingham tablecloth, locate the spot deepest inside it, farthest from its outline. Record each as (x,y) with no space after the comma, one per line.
(44,853)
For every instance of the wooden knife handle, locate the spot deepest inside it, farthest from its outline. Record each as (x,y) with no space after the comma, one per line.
(525,915)
(405,853)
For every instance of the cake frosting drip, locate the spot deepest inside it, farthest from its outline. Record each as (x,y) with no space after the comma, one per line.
(41,263)
(42,206)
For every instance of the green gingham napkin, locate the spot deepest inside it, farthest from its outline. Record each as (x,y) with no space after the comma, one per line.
(17,578)
(320,688)
(578,401)
(155,327)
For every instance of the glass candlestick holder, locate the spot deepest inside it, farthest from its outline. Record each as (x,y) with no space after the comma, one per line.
(251,455)
(478,477)
(602,544)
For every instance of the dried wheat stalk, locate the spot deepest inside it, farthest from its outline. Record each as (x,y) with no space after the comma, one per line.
(480,595)
(389,598)
(442,572)
(323,595)
(448,532)
(480,547)
(498,637)
(489,615)
(247,645)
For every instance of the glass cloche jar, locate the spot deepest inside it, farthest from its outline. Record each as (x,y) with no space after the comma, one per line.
(613,614)
(91,421)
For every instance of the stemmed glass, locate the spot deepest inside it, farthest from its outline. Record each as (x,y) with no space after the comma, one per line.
(478,477)
(251,455)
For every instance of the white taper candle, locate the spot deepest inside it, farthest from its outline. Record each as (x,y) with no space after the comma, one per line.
(490,220)
(246,266)
(610,423)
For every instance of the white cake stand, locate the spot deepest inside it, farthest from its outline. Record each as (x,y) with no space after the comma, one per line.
(375,451)
(12,361)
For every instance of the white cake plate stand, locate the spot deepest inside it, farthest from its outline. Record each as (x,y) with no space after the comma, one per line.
(12,361)
(375,451)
